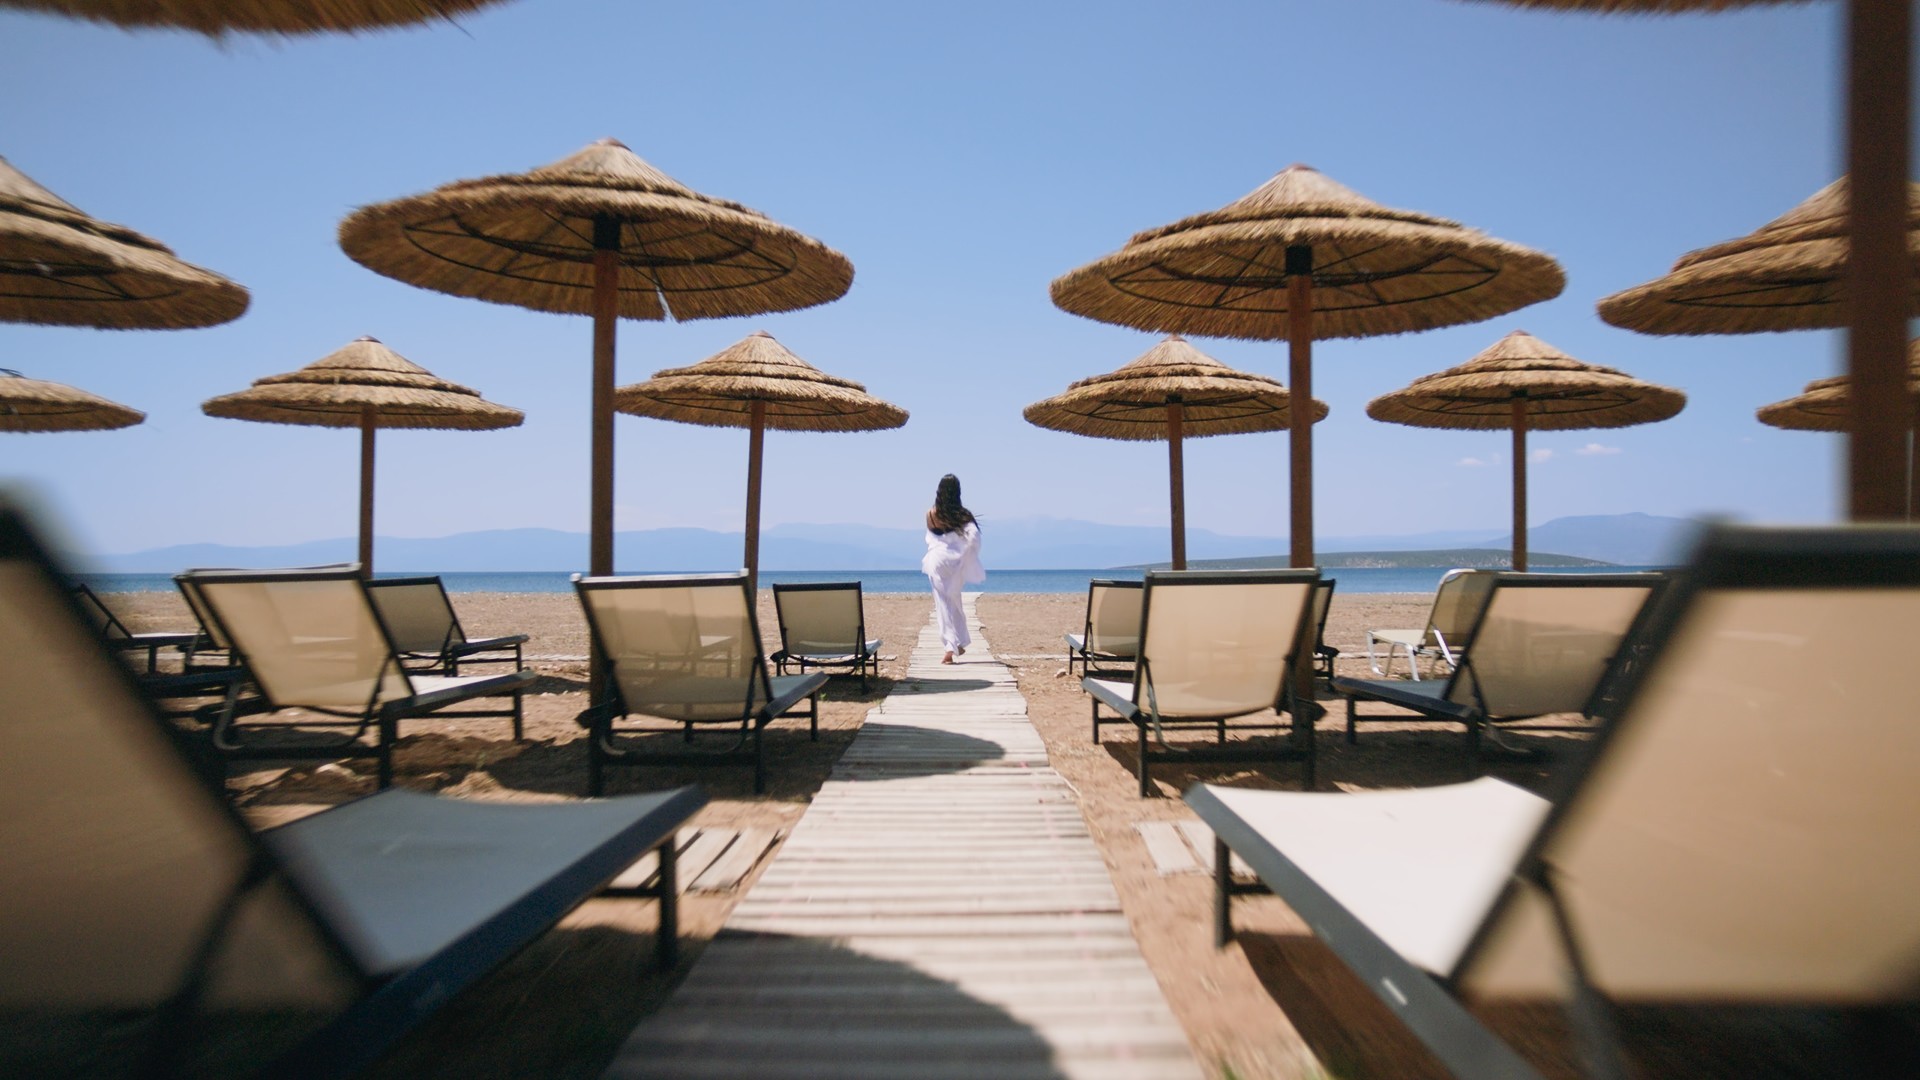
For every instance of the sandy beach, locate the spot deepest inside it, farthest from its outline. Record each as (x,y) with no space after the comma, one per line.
(1274,1004)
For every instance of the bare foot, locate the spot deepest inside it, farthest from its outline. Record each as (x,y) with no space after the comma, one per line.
(947,659)
(959,652)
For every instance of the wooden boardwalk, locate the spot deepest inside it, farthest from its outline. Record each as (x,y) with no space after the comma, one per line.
(939,913)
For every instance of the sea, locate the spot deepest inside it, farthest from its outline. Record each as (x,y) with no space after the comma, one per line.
(1351,580)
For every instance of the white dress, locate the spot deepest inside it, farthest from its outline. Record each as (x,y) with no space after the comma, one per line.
(952,562)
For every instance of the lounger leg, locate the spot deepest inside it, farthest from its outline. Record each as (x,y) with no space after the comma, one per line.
(813,718)
(1353,720)
(1222,894)
(687,736)
(389,734)
(1096,721)
(1373,661)
(759,762)
(667,944)
(1473,749)
(1146,785)
(1222,736)
(519,716)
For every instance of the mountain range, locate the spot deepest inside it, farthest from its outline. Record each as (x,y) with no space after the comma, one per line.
(1028,544)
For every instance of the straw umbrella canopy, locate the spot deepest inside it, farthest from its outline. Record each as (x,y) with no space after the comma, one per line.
(1172,391)
(1825,405)
(757,384)
(600,232)
(368,386)
(216,17)
(1789,274)
(1523,383)
(36,405)
(59,267)
(1302,257)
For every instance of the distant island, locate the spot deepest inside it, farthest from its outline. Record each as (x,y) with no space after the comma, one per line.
(1471,558)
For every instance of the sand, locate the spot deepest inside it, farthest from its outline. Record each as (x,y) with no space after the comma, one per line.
(1273,1004)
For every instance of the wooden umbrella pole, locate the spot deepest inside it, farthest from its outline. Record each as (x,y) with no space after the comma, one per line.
(756,443)
(1879,81)
(1519,483)
(606,309)
(1299,267)
(1177,480)
(366,491)
(1913,455)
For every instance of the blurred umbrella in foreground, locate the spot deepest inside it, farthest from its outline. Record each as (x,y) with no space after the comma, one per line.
(216,17)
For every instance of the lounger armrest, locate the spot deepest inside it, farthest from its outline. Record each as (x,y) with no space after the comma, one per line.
(1422,697)
(791,690)
(506,642)
(1114,695)
(156,640)
(436,691)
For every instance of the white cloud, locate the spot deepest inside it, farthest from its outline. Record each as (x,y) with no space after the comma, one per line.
(1540,455)
(1470,462)
(1594,449)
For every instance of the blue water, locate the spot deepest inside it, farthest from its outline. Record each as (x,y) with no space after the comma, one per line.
(1370,580)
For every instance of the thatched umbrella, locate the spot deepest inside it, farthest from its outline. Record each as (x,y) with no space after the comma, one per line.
(368,386)
(757,384)
(1874,242)
(1302,257)
(36,405)
(59,267)
(216,17)
(1789,274)
(1172,391)
(1825,405)
(603,233)
(1523,383)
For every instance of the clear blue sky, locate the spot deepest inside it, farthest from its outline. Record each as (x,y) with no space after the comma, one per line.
(962,156)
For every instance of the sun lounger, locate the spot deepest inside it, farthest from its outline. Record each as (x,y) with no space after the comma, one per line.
(1215,645)
(1541,645)
(684,650)
(312,640)
(1744,830)
(116,634)
(1456,602)
(1111,640)
(149,932)
(824,624)
(425,630)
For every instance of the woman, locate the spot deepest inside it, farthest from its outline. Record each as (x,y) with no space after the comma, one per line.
(952,561)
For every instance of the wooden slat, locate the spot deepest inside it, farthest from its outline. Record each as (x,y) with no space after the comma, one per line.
(1169,852)
(726,871)
(1201,838)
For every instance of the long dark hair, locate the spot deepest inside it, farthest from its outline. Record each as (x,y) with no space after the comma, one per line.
(948,515)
